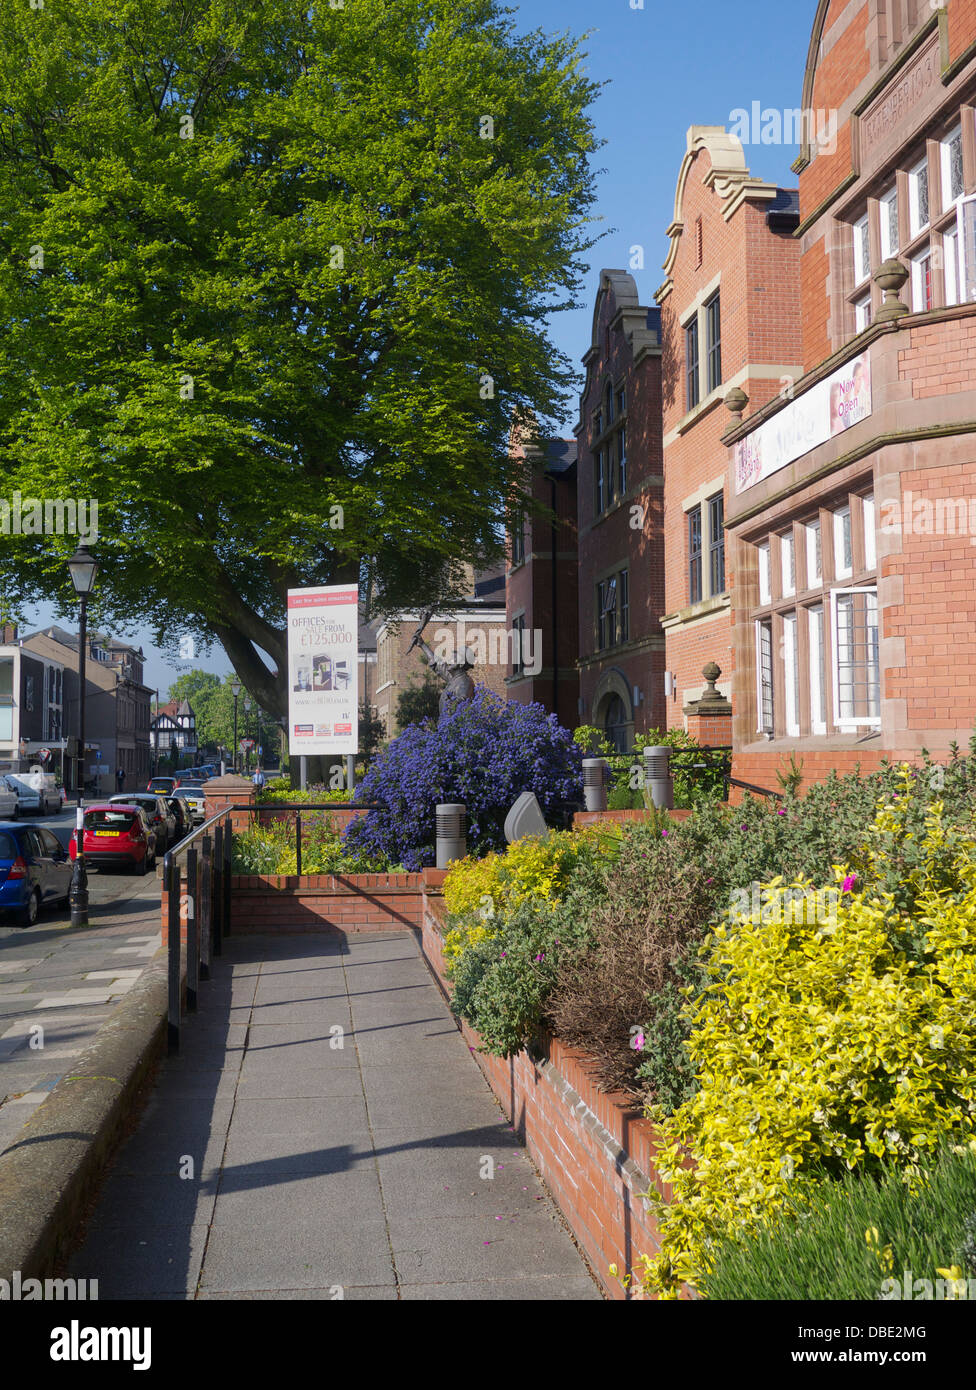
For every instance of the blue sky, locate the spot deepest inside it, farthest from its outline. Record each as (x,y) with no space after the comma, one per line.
(669,66)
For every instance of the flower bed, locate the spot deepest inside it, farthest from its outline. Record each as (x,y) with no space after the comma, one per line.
(760,978)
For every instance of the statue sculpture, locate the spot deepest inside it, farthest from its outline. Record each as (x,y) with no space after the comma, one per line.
(458,684)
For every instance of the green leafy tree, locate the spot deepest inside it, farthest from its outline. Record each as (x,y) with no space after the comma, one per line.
(212,702)
(274,279)
(372,731)
(419,702)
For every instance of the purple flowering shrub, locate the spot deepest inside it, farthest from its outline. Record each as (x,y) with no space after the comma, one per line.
(483,752)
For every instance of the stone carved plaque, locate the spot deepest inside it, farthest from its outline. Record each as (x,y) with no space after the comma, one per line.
(895,107)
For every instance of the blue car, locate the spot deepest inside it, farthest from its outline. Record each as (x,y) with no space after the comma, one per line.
(35,871)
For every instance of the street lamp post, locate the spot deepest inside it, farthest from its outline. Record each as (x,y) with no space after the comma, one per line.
(235,689)
(82,567)
(155,767)
(247,751)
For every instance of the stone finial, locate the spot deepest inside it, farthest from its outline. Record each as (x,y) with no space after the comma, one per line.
(891,276)
(711,701)
(736,401)
(711,672)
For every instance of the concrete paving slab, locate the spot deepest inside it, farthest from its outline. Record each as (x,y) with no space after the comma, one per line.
(319,1170)
(374,1294)
(544,1288)
(157,1203)
(296,1251)
(334,1080)
(457,1248)
(129,1265)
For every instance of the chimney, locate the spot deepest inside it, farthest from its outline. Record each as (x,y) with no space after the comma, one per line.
(8,634)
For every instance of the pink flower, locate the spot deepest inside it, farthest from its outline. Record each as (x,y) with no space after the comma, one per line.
(848,883)
(781,812)
(637,1042)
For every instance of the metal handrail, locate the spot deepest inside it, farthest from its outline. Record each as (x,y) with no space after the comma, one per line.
(184,844)
(207,911)
(204,903)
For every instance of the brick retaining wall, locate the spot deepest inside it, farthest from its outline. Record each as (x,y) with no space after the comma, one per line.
(330,902)
(594,1149)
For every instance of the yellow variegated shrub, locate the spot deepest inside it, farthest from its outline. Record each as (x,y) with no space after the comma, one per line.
(822,1045)
(477,891)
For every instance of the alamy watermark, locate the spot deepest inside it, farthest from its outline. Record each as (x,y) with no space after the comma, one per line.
(952,1286)
(804,126)
(17,1289)
(929,516)
(49,516)
(804,906)
(494,646)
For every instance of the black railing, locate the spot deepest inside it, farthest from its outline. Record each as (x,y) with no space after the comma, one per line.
(692,761)
(196,889)
(299,806)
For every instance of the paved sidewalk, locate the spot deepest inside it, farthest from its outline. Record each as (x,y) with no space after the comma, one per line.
(325,1133)
(67,980)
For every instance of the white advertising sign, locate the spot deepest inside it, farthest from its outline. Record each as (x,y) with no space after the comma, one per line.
(829,408)
(323,670)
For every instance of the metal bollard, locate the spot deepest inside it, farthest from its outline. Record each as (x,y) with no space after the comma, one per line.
(452,832)
(595,783)
(657,776)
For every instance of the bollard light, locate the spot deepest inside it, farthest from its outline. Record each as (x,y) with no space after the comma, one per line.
(657,776)
(595,783)
(452,832)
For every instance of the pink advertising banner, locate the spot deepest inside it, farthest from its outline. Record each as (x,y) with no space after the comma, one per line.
(832,406)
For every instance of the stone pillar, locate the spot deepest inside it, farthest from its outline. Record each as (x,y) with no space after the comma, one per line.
(710,717)
(231,790)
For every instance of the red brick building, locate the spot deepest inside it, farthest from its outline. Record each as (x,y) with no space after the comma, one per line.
(619,507)
(541,585)
(851,505)
(728,322)
(475,622)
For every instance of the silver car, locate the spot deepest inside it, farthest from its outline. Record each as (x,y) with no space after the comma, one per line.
(194,798)
(9,801)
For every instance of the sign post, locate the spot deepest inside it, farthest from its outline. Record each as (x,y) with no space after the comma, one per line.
(323,672)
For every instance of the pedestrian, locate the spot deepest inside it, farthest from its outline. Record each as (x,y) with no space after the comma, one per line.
(258,779)
(120,778)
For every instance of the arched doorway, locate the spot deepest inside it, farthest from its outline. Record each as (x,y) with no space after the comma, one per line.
(616,725)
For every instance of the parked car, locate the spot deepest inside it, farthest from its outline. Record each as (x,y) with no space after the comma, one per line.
(117,836)
(9,801)
(194,798)
(162,786)
(35,871)
(158,814)
(184,818)
(36,790)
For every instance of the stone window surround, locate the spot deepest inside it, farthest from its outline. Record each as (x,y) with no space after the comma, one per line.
(598,442)
(752,371)
(696,310)
(611,571)
(700,499)
(910,244)
(805,597)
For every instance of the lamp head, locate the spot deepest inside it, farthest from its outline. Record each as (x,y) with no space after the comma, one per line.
(82,567)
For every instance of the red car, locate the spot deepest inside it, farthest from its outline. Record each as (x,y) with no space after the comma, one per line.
(117,837)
